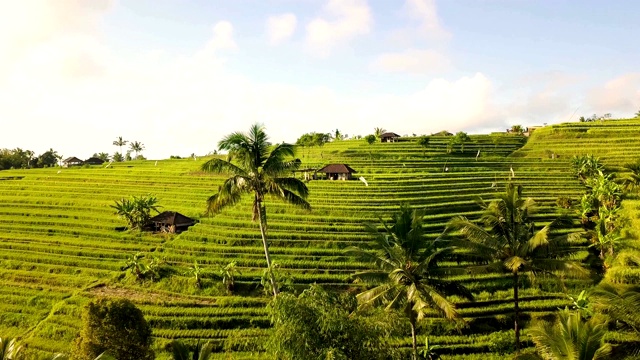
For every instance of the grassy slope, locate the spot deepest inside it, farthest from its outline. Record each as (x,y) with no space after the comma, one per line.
(58,241)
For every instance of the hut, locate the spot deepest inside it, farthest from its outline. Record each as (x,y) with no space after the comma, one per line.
(72,161)
(94,161)
(389,137)
(338,171)
(171,222)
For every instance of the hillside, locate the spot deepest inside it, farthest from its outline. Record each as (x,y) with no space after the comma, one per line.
(59,244)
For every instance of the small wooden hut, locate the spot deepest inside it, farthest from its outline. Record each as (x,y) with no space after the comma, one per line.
(389,137)
(72,161)
(171,222)
(338,171)
(94,161)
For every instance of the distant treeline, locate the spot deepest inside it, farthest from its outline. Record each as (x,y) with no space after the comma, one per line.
(24,159)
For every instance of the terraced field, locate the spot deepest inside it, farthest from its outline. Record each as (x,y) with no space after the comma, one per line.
(60,247)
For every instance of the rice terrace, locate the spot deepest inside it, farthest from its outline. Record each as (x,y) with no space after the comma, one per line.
(319,180)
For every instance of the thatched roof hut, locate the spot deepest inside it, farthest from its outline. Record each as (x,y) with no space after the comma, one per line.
(72,161)
(338,171)
(389,137)
(171,222)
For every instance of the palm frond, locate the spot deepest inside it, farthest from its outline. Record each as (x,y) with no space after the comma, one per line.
(219,166)
(276,164)
(296,185)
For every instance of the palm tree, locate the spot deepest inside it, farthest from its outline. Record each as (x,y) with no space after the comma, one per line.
(424,142)
(180,351)
(571,337)
(120,142)
(136,146)
(407,271)
(261,170)
(378,131)
(9,349)
(512,244)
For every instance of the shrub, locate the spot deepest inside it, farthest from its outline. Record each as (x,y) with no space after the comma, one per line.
(564,202)
(116,327)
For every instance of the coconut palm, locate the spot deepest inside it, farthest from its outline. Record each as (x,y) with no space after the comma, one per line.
(180,351)
(378,131)
(120,142)
(571,337)
(258,169)
(136,147)
(511,244)
(407,271)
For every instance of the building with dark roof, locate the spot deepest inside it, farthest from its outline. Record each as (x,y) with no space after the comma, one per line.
(338,171)
(72,161)
(389,137)
(94,161)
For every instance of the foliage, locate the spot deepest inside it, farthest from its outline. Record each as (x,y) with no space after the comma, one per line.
(196,272)
(585,166)
(136,147)
(143,270)
(136,210)
(632,180)
(321,325)
(571,337)
(10,349)
(120,142)
(460,138)
(424,142)
(285,282)
(228,275)
(337,135)
(180,351)
(564,202)
(377,132)
(407,271)
(430,352)
(24,159)
(517,129)
(102,156)
(313,139)
(117,157)
(116,326)
(262,170)
(514,245)
(370,139)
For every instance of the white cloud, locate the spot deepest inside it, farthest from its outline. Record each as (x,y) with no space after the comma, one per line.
(425,13)
(281,27)
(619,96)
(347,20)
(414,61)
(222,38)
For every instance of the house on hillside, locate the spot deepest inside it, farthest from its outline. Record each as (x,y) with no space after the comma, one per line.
(338,171)
(94,161)
(171,222)
(531,129)
(389,137)
(72,161)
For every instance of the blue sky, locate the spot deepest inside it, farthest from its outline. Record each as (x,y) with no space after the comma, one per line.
(178,75)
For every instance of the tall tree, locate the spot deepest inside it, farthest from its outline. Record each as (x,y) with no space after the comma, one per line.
(120,142)
(408,274)
(258,168)
(136,147)
(512,244)
(378,131)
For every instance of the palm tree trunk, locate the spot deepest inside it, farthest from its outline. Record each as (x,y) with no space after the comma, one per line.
(516,310)
(263,232)
(414,342)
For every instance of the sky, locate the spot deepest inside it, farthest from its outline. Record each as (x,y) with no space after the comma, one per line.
(178,75)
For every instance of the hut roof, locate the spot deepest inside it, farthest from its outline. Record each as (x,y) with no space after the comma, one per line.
(94,161)
(72,159)
(337,169)
(389,134)
(172,218)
